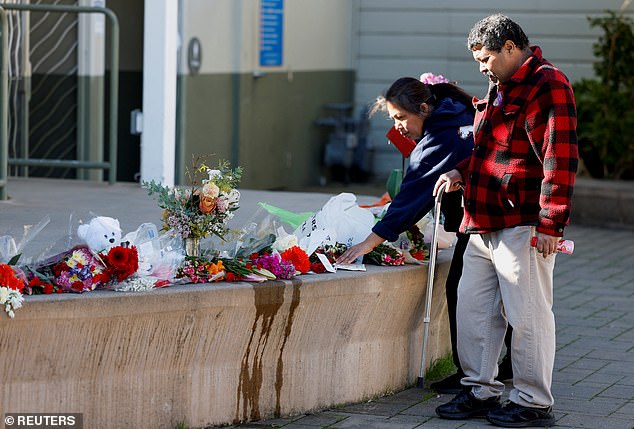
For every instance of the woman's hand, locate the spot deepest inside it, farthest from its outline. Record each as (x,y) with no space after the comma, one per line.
(363,248)
(452,178)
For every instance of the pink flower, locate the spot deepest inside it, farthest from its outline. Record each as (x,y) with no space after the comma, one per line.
(432,79)
(222,205)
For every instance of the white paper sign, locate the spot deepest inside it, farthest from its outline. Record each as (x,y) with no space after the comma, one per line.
(326,263)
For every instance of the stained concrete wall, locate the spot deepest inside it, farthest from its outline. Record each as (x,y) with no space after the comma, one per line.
(213,354)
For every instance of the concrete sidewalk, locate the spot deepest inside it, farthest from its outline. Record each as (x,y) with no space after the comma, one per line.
(68,202)
(594,297)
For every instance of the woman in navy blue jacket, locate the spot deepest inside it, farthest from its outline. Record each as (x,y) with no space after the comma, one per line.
(440,118)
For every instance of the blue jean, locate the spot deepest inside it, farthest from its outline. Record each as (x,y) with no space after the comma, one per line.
(505,280)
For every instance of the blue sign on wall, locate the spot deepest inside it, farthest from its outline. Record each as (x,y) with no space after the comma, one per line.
(271,32)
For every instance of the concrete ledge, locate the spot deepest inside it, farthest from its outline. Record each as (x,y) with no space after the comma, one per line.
(604,203)
(214,354)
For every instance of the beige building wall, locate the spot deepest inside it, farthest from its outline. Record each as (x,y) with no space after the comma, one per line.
(263,117)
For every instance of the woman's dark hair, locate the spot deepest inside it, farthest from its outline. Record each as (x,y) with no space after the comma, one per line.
(493,31)
(409,93)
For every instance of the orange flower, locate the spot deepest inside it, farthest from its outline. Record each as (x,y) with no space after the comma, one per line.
(216,268)
(207,204)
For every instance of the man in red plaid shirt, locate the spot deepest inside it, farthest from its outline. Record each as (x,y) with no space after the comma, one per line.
(517,185)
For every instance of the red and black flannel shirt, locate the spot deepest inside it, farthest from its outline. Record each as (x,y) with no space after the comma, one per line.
(523,166)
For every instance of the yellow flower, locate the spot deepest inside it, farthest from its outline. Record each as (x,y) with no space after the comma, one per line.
(216,269)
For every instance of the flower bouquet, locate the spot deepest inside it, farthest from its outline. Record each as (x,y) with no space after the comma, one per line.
(121,262)
(10,290)
(412,244)
(201,270)
(384,254)
(418,249)
(204,208)
(271,265)
(80,270)
(330,251)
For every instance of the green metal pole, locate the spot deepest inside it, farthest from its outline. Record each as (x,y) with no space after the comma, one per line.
(114,72)
(114,93)
(4,105)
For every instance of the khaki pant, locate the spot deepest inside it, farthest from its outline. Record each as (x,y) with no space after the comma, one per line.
(505,279)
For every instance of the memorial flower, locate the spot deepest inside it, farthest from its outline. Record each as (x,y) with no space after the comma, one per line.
(384,254)
(79,270)
(121,262)
(296,256)
(274,264)
(203,208)
(200,270)
(10,290)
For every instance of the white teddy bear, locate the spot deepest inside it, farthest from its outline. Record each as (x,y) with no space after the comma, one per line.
(101,233)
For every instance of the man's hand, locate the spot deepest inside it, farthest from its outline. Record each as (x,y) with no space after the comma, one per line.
(452,178)
(546,244)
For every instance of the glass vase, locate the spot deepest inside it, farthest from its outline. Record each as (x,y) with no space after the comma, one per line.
(192,246)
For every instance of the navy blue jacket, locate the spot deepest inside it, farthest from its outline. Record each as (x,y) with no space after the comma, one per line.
(447,140)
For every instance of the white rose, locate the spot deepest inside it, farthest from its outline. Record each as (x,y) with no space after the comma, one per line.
(210,190)
(286,242)
(4,294)
(233,198)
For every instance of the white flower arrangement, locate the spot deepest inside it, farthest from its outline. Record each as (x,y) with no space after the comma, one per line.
(11,299)
(136,284)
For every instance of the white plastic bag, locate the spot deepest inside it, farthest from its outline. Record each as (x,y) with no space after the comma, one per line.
(426,225)
(340,219)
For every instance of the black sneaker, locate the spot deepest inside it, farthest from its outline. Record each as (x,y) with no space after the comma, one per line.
(512,415)
(450,384)
(465,405)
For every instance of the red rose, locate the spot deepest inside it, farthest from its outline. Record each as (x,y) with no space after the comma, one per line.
(317,267)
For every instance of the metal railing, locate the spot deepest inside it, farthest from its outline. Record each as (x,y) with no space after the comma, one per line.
(111,164)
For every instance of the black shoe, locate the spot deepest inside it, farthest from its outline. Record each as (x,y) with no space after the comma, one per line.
(505,370)
(465,405)
(512,415)
(450,384)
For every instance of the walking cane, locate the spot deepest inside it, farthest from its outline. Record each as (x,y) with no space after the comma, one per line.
(430,282)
